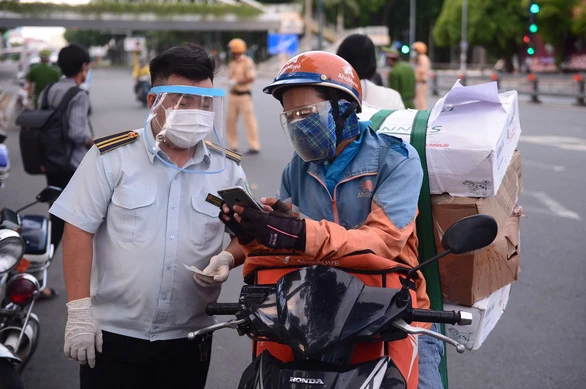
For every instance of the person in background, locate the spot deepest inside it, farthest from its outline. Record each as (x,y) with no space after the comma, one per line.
(241,75)
(74,62)
(422,69)
(140,69)
(359,51)
(401,78)
(40,75)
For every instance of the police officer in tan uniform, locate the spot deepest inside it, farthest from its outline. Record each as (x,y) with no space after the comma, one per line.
(242,74)
(422,68)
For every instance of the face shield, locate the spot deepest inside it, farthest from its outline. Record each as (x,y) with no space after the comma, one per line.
(188,118)
(311,130)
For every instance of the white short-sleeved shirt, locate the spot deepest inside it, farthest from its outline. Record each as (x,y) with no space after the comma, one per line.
(381,97)
(148,219)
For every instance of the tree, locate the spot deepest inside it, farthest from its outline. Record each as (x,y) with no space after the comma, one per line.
(350,6)
(497,25)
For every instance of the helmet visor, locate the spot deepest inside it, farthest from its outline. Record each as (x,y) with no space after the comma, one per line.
(189,118)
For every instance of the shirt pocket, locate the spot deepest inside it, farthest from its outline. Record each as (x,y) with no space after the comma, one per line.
(132,214)
(204,223)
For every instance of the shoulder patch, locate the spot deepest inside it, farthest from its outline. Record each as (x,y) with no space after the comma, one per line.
(113,141)
(234,156)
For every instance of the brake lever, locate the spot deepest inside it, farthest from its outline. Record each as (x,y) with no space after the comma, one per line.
(402,325)
(228,324)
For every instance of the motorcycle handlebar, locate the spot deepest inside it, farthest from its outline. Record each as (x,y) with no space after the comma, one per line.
(222,309)
(447,317)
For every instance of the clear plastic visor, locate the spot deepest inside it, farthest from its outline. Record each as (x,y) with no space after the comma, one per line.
(188,122)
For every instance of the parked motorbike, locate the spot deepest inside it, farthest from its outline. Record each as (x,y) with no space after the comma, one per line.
(142,89)
(322,312)
(25,255)
(22,100)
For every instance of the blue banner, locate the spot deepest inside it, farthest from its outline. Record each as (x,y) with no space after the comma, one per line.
(283,44)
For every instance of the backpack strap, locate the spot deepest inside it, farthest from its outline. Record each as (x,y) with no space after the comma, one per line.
(378,118)
(45,92)
(424,223)
(69,95)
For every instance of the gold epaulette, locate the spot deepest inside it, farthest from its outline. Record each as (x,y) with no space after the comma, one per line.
(234,156)
(111,142)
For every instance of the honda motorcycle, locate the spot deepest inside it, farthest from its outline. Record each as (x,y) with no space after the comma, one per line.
(323,312)
(25,255)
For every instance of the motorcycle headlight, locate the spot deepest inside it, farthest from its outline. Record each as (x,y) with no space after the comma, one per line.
(11,249)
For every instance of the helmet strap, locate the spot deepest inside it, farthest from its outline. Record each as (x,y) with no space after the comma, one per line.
(340,119)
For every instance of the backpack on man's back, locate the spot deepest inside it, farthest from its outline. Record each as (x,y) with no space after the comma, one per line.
(44,144)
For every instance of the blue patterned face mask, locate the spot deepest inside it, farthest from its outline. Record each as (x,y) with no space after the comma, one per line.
(312,130)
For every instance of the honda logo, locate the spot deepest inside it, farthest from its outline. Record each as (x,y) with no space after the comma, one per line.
(312,381)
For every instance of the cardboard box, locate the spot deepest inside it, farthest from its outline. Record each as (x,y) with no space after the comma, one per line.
(447,209)
(485,314)
(471,136)
(468,278)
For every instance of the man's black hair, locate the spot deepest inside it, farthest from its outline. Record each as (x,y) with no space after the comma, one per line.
(71,59)
(186,60)
(358,50)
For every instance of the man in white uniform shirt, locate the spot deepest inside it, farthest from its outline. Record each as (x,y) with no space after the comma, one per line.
(137,209)
(359,51)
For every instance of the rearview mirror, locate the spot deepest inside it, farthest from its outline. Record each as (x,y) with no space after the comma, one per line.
(470,233)
(49,194)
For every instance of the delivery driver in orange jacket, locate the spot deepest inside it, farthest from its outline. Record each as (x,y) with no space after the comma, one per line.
(242,74)
(352,188)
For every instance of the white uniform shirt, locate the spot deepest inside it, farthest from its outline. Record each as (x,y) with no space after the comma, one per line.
(148,220)
(381,97)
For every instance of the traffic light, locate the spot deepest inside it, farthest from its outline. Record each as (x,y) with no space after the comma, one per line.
(533,28)
(405,49)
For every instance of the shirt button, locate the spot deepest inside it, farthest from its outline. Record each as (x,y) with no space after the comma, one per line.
(154,337)
(155,328)
(173,207)
(164,298)
(169,267)
(172,237)
(326,162)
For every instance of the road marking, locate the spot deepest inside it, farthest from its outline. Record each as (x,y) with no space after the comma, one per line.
(541,165)
(561,142)
(553,206)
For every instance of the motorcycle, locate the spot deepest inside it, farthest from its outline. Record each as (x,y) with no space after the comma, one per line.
(142,89)
(26,253)
(22,100)
(322,312)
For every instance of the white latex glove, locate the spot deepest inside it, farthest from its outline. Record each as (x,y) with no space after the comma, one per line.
(217,271)
(83,335)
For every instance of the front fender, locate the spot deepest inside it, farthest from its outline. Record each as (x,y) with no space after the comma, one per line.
(5,353)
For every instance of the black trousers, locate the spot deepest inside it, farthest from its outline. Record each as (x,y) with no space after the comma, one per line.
(60,180)
(128,363)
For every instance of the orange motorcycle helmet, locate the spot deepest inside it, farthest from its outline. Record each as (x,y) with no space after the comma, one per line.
(318,68)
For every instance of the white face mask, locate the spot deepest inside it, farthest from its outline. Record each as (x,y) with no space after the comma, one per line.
(186,127)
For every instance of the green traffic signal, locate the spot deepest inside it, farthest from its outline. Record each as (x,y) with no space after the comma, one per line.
(405,49)
(534,8)
(533,28)
(530,51)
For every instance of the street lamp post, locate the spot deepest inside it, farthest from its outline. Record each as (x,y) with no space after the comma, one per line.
(320,24)
(464,40)
(308,26)
(412,26)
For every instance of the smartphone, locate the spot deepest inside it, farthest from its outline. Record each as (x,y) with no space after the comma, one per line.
(237,195)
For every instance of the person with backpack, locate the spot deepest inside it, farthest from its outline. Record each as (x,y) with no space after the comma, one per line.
(352,189)
(74,62)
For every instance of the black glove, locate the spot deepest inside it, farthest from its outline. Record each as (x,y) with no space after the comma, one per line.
(283,210)
(274,231)
(243,236)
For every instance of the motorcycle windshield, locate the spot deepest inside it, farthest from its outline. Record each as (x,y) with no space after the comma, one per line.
(319,306)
